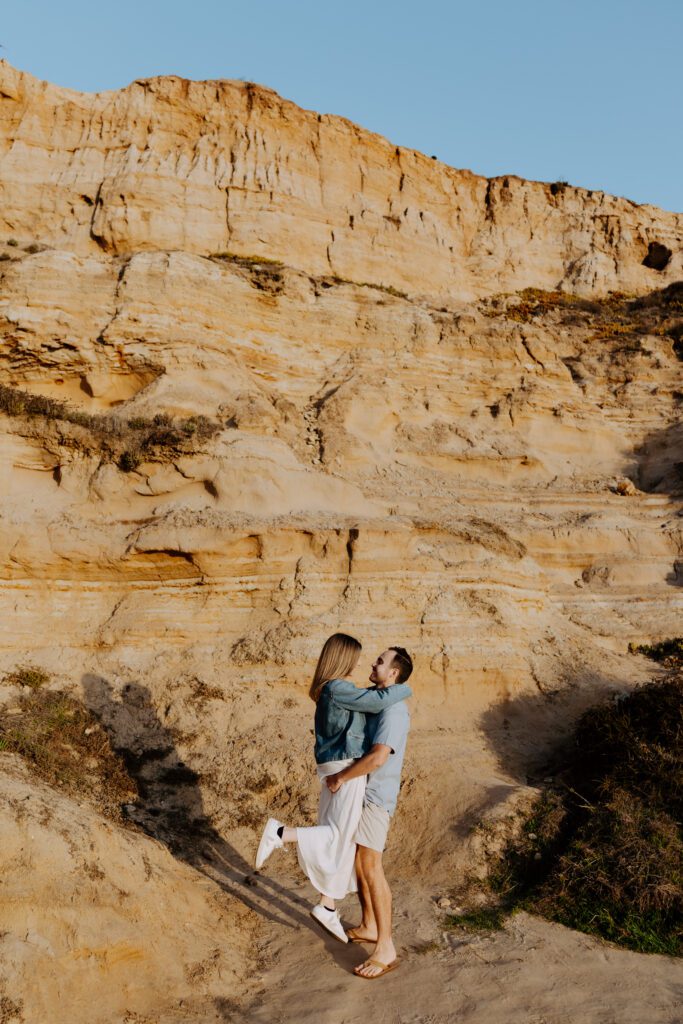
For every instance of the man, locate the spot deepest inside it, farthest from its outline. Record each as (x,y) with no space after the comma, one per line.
(387,732)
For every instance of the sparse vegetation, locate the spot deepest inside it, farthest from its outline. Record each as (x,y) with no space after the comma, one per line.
(247,261)
(616,316)
(29,676)
(602,851)
(668,651)
(64,744)
(426,948)
(265,274)
(534,302)
(328,282)
(10,1011)
(262,270)
(201,692)
(128,461)
(127,442)
(491,918)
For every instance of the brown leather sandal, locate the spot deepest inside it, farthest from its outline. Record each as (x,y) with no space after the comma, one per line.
(354,937)
(377,963)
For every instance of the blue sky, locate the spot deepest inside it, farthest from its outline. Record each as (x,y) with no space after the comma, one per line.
(586,92)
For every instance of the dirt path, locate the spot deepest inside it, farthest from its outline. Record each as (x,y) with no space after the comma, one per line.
(532,972)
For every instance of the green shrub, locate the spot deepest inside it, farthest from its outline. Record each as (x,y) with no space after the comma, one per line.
(490,918)
(603,851)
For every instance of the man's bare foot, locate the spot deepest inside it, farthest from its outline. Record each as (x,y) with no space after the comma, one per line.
(371,968)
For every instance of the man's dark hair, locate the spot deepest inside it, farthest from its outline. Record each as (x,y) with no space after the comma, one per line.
(404,663)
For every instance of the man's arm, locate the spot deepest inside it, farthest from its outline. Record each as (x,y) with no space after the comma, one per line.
(374,759)
(370,701)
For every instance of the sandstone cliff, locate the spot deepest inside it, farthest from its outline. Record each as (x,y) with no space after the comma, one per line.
(305,391)
(206,167)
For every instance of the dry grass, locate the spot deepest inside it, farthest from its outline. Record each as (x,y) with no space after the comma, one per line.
(65,745)
(10,1011)
(247,261)
(534,303)
(613,318)
(126,441)
(27,676)
(328,282)
(267,275)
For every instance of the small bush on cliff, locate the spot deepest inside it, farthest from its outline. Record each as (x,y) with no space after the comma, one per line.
(65,745)
(263,273)
(668,651)
(603,852)
(128,442)
(27,676)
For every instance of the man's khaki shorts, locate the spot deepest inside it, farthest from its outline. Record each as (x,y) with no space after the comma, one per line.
(373,827)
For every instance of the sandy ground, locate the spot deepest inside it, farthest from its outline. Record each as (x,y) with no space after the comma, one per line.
(531,972)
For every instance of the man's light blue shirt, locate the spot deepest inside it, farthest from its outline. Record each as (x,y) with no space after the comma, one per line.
(390,728)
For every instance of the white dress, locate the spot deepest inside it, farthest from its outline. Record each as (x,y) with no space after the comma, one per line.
(327,851)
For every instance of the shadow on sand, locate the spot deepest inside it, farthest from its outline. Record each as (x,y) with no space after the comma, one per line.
(531,733)
(170,806)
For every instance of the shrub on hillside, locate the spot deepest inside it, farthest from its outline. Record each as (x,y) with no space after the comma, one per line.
(603,851)
(64,744)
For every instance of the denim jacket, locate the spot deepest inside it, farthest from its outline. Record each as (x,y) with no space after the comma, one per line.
(340,717)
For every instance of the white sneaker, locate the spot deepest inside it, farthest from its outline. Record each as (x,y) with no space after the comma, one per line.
(270,841)
(329,919)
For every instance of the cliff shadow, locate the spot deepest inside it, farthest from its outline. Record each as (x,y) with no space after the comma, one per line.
(531,734)
(170,806)
(659,461)
(660,471)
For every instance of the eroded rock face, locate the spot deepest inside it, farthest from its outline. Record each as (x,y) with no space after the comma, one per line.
(397,450)
(207,167)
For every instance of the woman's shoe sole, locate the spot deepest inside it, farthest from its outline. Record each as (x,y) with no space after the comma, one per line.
(261,846)
(326,929)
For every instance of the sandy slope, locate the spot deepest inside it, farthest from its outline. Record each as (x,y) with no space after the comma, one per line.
(532,972)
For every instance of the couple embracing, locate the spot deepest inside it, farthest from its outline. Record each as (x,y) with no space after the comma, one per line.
(360,740)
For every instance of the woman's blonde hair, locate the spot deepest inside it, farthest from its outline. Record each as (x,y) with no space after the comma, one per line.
(337,659)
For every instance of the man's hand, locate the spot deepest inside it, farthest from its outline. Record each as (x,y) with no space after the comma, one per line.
(334,782)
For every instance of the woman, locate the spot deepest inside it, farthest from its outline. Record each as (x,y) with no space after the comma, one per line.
(327,851)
